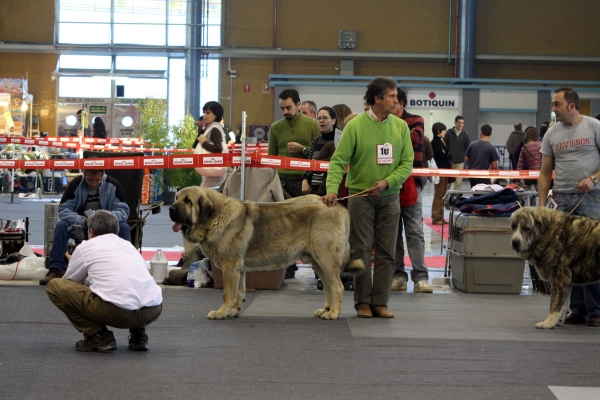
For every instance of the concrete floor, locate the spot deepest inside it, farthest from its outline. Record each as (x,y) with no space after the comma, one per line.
(445,345)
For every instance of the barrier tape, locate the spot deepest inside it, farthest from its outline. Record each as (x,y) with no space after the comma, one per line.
(111,144)
(257,159)
(72,139)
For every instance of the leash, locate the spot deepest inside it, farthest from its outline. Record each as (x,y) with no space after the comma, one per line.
(359,194)
(578,203)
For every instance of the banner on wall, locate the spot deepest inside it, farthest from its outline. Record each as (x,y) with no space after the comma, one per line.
(433,98)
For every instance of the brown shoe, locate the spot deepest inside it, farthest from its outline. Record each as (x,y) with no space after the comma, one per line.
(594,320)
(52,273)
(382,312)
(100,343)
(364,311)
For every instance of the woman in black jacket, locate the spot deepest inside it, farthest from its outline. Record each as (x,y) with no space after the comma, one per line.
(442,157)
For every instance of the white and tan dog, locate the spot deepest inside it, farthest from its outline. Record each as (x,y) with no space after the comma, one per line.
(240,237)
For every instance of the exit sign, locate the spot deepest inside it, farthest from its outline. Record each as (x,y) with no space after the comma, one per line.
(97,109)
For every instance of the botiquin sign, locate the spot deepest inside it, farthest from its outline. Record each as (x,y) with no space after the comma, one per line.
(433,98)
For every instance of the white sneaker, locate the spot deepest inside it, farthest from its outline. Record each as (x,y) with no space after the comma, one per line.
(423,287)
(398,283)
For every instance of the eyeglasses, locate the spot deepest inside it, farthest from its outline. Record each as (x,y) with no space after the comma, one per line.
(323,118)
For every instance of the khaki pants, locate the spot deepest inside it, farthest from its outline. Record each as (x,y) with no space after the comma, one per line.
(89,313)
(374,218)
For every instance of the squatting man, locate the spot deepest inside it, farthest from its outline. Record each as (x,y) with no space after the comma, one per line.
(107,288)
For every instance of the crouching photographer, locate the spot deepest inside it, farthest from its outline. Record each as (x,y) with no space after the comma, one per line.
(107,284)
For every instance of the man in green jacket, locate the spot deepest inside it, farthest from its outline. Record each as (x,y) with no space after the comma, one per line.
(291,137)
(376,146)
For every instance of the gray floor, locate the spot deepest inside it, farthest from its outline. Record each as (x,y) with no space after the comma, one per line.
(445,345)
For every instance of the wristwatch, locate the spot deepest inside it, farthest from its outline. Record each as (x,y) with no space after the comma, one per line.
(594,179)
(305,152)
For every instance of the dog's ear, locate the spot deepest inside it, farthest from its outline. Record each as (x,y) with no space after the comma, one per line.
(207,208)
(543,220)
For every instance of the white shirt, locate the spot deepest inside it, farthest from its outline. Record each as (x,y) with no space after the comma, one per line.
(115,271)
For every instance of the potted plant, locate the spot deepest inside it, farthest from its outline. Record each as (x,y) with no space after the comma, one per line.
(153,127)
(182,137)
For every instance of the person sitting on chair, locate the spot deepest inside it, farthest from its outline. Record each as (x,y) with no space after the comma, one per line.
(94,190)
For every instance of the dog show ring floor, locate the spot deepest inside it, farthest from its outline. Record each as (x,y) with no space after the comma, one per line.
(444,345)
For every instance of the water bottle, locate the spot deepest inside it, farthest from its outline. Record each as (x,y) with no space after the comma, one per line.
(159,266)
(527,283)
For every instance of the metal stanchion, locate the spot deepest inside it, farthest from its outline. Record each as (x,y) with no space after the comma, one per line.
(243,160)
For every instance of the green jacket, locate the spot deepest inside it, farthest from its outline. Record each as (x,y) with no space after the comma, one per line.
(358,149)
(300,129)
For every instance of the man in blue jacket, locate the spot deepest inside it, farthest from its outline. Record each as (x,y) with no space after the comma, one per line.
(94,190)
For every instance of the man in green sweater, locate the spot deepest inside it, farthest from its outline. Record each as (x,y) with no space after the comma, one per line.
(291,137)
(376,146)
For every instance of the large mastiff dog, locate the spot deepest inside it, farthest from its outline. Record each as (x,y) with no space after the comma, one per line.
(240,237)
(564,250)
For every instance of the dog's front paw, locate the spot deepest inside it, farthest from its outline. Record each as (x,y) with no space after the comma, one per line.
(544,325)
(216,315)
(234,313)
(319,312)
(329,315)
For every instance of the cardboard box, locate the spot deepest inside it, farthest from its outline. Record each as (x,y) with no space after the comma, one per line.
(259,280)
(487,274)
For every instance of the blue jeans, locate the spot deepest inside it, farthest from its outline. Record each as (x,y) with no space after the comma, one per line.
(374,218)
(61,239)
(412,219)
(585,300)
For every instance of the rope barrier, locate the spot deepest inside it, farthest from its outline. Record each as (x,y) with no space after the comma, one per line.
(256,159)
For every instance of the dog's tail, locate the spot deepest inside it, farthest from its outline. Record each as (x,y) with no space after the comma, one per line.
(353,268)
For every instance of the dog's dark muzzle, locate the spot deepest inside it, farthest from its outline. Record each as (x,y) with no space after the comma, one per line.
(179,217)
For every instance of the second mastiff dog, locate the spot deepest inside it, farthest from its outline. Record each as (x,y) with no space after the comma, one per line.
(240,237)
(564,250)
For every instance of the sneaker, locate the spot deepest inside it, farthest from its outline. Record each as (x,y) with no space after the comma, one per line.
(398,283)
(138,340)
(423,287)
(52,273)
(100,343)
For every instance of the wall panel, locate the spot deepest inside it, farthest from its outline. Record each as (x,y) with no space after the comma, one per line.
(249,23)
(538,27)
(29,21)
(407,68)
(538,71)
(257,105)
(408,25)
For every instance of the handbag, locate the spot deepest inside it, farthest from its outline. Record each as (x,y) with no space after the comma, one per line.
(212,171)
(435,179)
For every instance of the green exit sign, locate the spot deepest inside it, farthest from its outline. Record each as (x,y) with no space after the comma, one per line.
(97,109)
